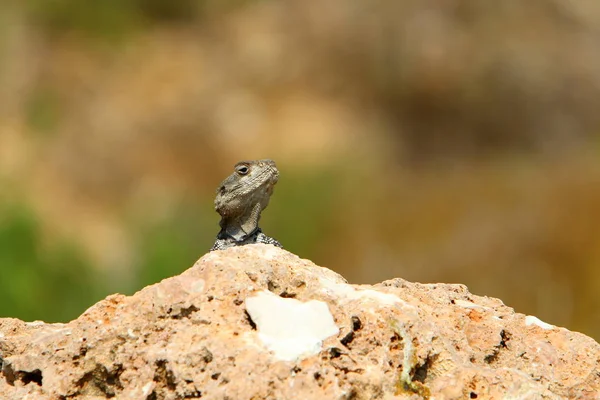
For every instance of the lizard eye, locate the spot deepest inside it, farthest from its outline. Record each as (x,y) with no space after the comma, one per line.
(242,169)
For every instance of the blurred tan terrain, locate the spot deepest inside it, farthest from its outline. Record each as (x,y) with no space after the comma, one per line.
(451,141)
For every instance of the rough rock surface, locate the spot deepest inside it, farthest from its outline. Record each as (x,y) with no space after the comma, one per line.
(193,336)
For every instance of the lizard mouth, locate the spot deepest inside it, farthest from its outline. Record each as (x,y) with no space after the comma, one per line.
(273,171)
(274,176)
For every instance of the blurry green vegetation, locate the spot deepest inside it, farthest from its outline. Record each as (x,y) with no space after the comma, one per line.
(302,196)
(115,19)
(39,281)
(107,19)
(43,110)
(172,245)
(56,282)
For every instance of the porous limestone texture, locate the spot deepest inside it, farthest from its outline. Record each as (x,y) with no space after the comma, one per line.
(192,336)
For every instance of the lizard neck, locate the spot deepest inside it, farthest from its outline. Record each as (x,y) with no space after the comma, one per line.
(242,226)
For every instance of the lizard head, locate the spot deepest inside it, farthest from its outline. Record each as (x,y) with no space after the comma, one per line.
(243,195)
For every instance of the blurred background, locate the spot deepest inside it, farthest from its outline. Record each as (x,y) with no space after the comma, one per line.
(453,141)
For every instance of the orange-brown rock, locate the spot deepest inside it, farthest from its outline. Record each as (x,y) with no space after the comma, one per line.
(256,322)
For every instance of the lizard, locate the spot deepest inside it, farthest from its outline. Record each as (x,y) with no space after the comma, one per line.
(240,199)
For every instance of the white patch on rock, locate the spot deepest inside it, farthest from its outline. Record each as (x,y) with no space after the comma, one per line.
(289,327)
(270,252)
(346,290)
(468,304)
(384,298)
(531,320)
(147,388)
(198,286)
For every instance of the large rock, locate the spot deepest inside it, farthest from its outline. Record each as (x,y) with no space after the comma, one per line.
(257,322)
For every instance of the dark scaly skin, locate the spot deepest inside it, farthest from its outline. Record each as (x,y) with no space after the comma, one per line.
(241,198)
